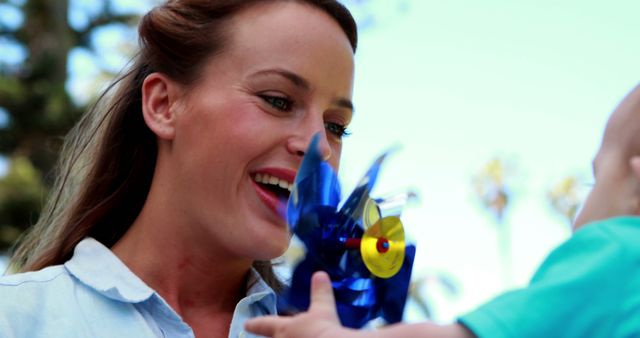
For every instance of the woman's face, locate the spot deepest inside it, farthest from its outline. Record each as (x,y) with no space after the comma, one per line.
(241,130)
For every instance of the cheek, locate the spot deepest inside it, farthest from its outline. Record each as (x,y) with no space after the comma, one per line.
(336,155)
(226,126)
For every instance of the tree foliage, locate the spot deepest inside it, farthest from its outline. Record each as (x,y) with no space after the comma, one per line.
(38,108)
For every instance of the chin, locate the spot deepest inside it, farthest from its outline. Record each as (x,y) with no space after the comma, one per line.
(268,240)
(272,251)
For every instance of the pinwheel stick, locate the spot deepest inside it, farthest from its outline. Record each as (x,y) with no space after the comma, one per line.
(382,245)
(352,243)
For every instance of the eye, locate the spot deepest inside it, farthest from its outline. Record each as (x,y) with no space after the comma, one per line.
(337,129)
(277,102)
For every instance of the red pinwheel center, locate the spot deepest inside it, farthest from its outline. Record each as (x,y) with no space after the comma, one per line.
(382,245)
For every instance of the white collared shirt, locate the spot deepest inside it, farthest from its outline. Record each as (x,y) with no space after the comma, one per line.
(95,295)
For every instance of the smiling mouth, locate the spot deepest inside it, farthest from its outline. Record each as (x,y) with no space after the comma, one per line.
(279,187)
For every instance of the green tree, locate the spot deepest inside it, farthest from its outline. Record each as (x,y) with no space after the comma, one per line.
(36,108)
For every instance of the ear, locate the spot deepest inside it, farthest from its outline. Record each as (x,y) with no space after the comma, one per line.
(159,94)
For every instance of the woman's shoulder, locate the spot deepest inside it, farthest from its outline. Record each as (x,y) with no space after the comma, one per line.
(32,285)
(52,302)
(29,279)
(24,292)
(30,297)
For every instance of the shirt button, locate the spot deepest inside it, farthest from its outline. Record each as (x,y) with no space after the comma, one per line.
(242,334)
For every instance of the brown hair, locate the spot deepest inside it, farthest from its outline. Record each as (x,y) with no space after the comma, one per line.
(108,159)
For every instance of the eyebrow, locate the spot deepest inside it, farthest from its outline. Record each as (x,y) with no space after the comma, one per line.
(344,103)
(302,83)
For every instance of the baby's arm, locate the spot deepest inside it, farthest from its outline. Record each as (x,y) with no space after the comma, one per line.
(321,321)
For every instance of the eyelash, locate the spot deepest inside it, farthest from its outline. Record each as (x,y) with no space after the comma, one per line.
(271,100)
(337,129)
(334,128)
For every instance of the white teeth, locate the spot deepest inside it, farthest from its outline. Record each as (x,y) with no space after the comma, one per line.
(268,179)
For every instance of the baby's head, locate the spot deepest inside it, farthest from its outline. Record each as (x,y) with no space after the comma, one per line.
(616,166)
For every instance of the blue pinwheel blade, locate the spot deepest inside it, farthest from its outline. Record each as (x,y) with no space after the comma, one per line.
(316,185)
(354,205)
(393,291)
(311,161)
(329,236)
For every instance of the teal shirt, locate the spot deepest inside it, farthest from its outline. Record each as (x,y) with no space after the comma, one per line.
(95,295)
(587,287)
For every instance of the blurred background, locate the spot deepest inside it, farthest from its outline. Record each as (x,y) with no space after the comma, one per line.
(497,108)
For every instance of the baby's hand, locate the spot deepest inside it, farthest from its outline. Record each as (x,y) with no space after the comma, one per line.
(321,321)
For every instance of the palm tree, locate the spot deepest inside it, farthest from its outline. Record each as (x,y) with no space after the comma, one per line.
(565,198)
(491,189)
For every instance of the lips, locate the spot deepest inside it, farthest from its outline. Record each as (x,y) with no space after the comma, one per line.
(273,186)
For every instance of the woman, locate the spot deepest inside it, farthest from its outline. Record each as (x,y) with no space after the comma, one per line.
(171,192)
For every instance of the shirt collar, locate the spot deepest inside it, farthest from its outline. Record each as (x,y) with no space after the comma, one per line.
(99,268)
(259,301)
(259,291)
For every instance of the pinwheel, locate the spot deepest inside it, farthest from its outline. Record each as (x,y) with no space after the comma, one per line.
(362,249)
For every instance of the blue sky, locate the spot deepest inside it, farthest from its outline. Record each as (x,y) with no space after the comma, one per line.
(457,83)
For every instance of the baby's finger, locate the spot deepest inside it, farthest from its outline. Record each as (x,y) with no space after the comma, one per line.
(265,326)
(322,294)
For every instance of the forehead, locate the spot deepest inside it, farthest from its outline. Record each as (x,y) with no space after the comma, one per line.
(282,16)
(290,35)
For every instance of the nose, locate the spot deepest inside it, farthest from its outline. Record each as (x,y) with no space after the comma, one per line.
(298,143)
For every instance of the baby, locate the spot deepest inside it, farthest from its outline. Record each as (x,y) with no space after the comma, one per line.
(587,287)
